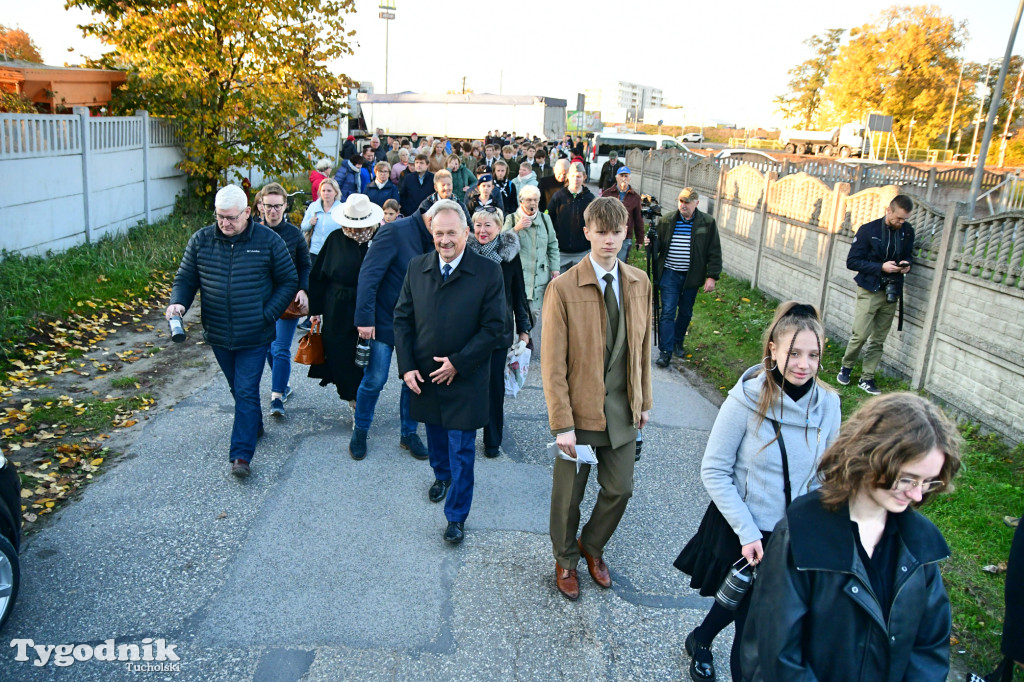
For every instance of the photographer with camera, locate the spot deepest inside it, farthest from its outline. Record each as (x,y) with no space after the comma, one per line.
(881,254)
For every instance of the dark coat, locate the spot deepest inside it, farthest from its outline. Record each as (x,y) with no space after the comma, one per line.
(508,195)
(473,203)
(333,294)
(379,195)
(349,180)
(705,248)
(347,150)
(461,319)
(383,271)
(412,193)
(608,171)
(634,207)
(545,172)
(298,249)
(434,198)
(517,308)
(566,213)
(870,246)
(549,186)
(246,282)
(813,614)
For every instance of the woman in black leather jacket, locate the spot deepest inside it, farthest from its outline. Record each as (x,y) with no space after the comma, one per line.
(849,588)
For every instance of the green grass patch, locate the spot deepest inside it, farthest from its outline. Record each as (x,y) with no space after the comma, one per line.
(123,382)
(725,338)
(41,287)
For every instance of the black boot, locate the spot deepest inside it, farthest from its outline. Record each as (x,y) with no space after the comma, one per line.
(702,661)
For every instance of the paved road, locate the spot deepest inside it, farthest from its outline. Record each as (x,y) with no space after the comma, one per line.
(323,568)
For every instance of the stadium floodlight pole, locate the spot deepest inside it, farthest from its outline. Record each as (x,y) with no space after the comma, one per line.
(387,13)
(993,107)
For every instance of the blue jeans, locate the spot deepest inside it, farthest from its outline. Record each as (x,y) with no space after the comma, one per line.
(452,453)
(674,299)
(279,357)
(374,377)
(243,369)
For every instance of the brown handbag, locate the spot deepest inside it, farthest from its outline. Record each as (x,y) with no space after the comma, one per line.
(294,311)
(311,347)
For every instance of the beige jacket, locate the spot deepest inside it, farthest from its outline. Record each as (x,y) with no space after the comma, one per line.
(572,346)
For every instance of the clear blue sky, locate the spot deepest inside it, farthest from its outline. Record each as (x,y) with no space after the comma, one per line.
(719,60)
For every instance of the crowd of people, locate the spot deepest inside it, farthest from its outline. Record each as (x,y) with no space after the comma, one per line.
(451,255)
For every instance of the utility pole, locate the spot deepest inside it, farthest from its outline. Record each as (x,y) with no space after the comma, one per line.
(949,130)
(1009,117)
(993,107)
(387,13)
(977,118)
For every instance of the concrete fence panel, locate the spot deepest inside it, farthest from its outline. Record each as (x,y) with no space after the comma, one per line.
(73,179)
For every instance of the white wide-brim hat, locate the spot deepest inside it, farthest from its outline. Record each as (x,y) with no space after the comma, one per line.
(357,211)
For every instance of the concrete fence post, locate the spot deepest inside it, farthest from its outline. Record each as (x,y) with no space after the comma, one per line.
(929,191)
(643,158)
(762,227)
(147,203)
(839,194)
(686,173)
(716,209)
(933,311)
(83,122)
(661,182)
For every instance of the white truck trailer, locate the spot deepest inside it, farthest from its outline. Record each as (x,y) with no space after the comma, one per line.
(843,141)
(464,116)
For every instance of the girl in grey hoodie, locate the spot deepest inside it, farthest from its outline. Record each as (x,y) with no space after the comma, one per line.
(742,465)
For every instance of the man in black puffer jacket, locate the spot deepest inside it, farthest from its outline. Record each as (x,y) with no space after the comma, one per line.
(247,278)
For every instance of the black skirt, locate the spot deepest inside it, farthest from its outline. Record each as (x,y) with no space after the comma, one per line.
(710,553)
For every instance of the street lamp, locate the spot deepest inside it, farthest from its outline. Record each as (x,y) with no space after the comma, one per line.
(387,13)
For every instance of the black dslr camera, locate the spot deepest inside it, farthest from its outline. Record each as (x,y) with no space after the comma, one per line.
(649,207)
(892,288)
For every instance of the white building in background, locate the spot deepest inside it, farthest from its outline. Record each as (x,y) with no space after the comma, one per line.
(622,95)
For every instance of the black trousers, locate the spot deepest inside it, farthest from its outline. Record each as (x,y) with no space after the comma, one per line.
(496,400)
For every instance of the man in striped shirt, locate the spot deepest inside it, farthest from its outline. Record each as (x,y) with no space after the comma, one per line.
(689,256)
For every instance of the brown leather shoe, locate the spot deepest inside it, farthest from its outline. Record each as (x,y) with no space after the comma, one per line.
(597,567)
(567,582)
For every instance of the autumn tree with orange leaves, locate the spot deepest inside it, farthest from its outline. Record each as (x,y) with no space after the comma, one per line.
(247,80)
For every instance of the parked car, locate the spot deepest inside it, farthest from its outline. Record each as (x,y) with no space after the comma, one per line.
(692,137)
(10,537)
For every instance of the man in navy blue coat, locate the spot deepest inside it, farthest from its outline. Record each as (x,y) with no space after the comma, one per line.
(380,282)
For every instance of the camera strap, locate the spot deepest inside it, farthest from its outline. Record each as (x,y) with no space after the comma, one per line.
(786,487)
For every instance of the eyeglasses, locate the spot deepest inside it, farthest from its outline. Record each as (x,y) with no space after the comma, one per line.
(274,207)
(905,485)
(488,209)
(226,218)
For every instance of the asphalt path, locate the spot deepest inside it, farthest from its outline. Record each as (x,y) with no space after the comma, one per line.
(320,567)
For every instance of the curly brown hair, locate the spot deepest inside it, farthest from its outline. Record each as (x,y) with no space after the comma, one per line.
(879,439)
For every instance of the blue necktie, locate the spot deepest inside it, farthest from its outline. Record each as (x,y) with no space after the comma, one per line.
(446,271)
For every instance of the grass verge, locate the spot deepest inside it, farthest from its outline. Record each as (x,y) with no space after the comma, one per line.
(725,339)
(35,288)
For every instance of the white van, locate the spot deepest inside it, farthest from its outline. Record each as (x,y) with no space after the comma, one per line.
(621,143)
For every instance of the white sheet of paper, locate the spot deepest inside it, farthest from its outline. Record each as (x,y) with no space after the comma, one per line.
(584,454)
